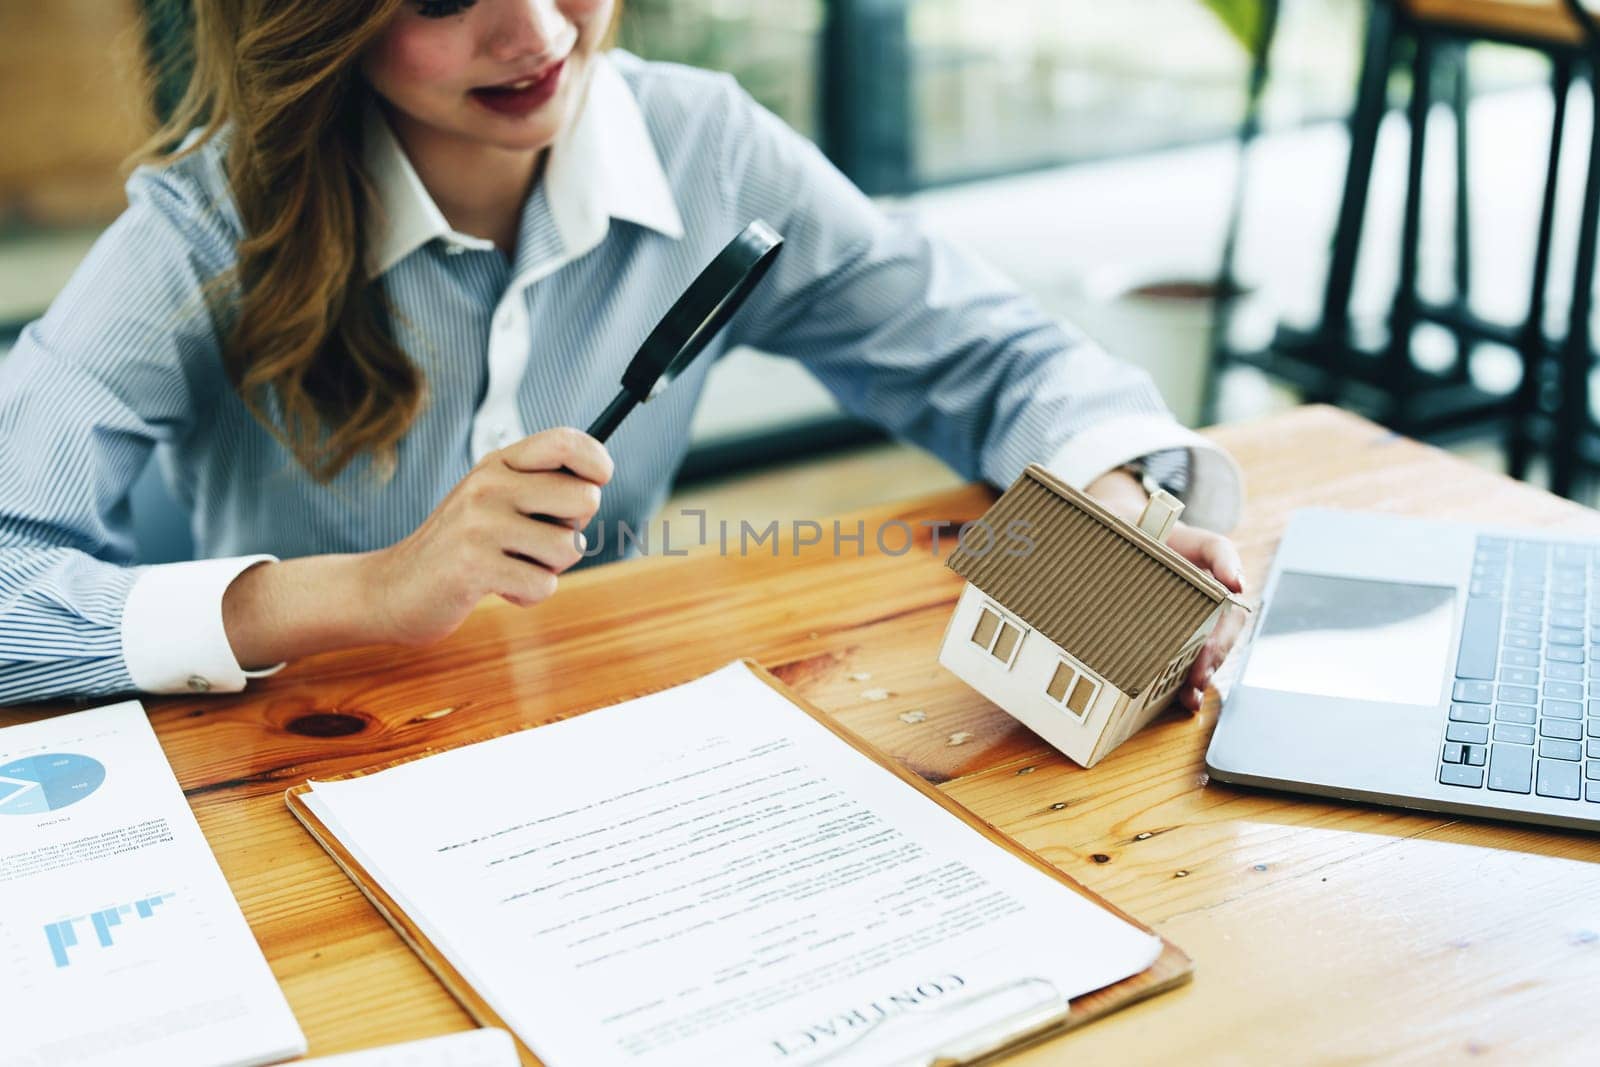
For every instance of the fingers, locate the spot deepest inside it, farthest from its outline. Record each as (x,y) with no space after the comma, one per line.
(1210,551)
(564,447)
(531,555)
(1214,553)
(1227,631)
(1212,654)
(561,496)
(521,583)
(556,548)
(1193,690)
(1218,555)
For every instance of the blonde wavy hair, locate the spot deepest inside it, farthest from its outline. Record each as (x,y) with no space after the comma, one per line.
(309,329)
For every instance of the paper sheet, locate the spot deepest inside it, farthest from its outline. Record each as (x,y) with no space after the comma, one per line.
(120,943)
(708,875)
(470,1048)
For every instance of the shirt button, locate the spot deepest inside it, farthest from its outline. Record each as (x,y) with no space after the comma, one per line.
(503,436)
(503,320)
(453,249)
(198,684)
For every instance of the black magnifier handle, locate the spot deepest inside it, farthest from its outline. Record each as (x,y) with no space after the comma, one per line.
(612,416)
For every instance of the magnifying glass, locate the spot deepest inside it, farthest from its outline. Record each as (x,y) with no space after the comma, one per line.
(691,323)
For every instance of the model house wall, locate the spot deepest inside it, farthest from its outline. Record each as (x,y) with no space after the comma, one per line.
(1155,697)
(1019,682)
(1016,674)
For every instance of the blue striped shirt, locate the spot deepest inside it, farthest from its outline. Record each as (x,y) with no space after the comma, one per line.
(662,167)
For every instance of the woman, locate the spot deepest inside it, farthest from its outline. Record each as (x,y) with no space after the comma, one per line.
(406,244)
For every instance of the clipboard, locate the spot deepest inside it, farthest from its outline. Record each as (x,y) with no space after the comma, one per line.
(1035,1024)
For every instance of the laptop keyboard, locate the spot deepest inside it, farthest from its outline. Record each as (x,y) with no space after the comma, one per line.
(1525,711)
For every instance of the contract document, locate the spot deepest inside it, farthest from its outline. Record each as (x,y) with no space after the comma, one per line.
(711,875)
(120,942)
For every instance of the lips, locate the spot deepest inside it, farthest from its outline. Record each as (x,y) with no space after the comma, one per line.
(524,95)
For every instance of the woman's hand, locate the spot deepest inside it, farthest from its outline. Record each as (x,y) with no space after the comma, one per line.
(491,536)
(1215,553)
(1121,493)
(482,540)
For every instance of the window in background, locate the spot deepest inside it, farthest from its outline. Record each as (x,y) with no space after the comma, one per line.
(771,49)
(902,94)
(914,93)
(905,94)
(1027,83)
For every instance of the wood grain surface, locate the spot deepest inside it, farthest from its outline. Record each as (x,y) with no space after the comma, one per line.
(1321,932)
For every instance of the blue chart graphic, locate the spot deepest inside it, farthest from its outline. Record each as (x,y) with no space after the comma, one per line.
(34,785)
(63,935)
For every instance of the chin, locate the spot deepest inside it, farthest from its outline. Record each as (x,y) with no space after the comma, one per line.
(530,135)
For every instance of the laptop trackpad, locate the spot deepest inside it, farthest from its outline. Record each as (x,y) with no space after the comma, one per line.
(1355,639)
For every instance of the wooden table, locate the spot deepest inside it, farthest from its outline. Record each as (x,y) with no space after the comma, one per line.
(1537,20)
(1321,931)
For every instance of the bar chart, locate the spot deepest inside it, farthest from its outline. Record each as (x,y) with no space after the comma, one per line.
(63,934)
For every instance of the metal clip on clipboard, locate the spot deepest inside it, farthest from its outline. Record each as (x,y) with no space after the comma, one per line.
(1012,1013)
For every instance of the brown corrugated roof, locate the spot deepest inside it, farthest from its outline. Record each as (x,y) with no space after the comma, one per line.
(1111,595)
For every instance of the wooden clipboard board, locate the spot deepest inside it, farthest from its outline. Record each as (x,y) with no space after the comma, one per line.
(1170,970)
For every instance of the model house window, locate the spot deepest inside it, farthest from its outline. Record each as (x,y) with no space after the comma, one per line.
(1082,693)
(1057,689)
(1006,643)
(1169,677)
(988,624)
(996,635)
(1072,689)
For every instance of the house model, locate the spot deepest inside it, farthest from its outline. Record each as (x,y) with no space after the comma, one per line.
(1077,623)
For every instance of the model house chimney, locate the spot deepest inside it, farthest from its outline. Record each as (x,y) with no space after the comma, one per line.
(1159,514)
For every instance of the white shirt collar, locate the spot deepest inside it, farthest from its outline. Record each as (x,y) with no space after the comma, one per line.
(602,167)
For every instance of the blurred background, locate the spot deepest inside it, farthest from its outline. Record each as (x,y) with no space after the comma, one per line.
(1227,192)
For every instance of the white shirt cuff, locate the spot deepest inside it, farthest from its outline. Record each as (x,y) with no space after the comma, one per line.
(173,640)
(1215,496)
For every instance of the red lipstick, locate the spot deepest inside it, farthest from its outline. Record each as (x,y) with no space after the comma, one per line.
(523,96)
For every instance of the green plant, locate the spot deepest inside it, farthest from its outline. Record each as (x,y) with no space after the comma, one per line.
(1242,18)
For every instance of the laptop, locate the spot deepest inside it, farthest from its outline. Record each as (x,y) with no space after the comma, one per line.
(1423,664)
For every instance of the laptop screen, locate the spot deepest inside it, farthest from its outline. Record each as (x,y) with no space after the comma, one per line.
(1354,638)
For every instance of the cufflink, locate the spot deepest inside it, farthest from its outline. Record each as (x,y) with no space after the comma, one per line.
(198,684)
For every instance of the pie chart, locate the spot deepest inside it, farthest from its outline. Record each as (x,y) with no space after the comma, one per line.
(34,785)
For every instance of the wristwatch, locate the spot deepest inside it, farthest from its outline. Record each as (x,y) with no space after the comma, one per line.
(1141,475)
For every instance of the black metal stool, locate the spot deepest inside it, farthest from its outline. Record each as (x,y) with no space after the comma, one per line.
(1572,437)
(1326,361)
